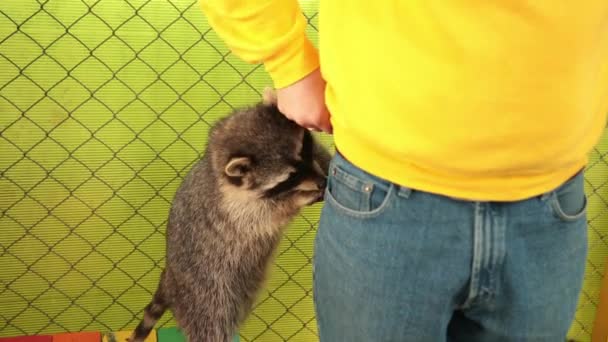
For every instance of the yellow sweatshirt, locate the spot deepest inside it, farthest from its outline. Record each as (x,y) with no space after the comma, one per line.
(482,100)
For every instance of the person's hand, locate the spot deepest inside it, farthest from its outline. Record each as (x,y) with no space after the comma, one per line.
(304,103)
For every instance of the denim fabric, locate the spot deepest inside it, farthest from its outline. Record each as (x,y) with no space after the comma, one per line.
(396,264)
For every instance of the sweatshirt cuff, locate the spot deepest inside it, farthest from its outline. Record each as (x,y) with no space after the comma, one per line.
(292,63)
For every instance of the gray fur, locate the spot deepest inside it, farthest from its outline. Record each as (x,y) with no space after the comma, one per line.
(222,232)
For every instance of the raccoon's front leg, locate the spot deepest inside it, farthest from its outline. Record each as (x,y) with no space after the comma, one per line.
(321,157)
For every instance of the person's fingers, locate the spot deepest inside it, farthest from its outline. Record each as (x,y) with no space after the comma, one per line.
(304,103)
(325,123)
(316,126)
(326,128)
(318,123)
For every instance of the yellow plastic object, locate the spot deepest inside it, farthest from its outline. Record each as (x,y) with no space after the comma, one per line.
(121,336)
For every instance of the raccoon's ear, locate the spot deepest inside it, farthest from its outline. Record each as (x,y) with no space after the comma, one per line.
(269,97)
(238,167)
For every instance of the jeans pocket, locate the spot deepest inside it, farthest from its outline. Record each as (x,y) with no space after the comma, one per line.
(569,201)
(354,194)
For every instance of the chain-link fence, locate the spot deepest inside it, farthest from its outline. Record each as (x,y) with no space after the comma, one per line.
(597,191)
(104,106)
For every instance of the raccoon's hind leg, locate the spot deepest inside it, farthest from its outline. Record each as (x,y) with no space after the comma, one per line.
(208,321)
(152,313)
(200,332)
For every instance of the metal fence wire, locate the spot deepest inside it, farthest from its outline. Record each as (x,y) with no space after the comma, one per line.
(104,107)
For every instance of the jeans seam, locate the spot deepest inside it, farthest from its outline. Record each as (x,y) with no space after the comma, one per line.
(314,277)
(477,255)
(498,245)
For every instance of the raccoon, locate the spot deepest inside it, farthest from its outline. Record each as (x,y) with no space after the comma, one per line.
(227,217)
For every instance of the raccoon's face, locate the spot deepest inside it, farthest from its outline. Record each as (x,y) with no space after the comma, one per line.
(286,175)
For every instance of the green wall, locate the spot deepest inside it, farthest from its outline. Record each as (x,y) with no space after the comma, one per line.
(104,107)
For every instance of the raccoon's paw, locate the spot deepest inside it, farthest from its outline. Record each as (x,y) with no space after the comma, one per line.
(307,198)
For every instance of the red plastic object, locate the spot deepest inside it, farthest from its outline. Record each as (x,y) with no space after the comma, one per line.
(36,338)
(78,337)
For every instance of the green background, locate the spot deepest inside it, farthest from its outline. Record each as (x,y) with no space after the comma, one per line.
(104,106)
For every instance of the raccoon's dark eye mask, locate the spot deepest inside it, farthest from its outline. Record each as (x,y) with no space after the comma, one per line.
(301,168)
(294,179)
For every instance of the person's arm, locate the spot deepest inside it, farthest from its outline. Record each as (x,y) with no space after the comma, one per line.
(271,32)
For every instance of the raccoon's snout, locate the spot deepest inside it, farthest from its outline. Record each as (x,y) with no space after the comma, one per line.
(320,197)
(322,183)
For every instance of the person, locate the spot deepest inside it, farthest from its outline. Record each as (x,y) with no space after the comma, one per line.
(455,206)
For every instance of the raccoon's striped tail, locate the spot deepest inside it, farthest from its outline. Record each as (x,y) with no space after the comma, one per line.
(152,313)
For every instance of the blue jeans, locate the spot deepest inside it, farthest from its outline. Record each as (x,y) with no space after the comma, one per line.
(396,264)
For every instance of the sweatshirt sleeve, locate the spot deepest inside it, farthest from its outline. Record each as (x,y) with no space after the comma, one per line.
(271,32)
